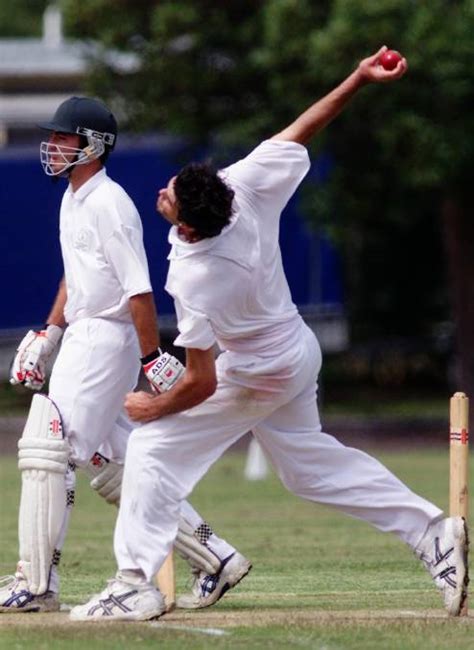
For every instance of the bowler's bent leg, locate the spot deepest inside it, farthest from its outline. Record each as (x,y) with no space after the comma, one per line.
(165,459)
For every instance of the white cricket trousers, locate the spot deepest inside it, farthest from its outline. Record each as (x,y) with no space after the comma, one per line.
(97,365)
(275,399)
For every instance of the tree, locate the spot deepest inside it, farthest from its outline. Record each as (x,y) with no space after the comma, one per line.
(236,71)
(21,17)
(414,135)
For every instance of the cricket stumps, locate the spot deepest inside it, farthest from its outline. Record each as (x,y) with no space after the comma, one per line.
(459,461)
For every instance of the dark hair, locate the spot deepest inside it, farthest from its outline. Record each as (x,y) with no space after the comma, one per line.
(105,155)
(204,200)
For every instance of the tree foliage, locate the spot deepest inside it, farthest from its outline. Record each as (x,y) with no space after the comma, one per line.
(20,18)
(246,67)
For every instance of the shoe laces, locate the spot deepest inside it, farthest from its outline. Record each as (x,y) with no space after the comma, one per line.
(194,580)
(6,580)
(111,583)
(13,580)
(119,585)
(105,593)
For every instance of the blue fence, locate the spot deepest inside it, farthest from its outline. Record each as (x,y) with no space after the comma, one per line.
(30,258)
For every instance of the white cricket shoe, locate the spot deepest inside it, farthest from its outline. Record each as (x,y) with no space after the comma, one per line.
(126,598)
(444,550)
(15,597)
(208,589)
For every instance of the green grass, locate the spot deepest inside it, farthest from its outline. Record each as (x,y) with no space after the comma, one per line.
(402,635)
(14,400)
(320,579)
(371,405)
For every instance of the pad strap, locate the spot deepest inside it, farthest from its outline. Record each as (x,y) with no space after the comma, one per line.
(196,553)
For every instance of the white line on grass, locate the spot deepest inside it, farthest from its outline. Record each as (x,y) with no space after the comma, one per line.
(211,631)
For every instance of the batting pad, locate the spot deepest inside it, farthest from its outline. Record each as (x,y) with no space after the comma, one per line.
(43,457)
(194,550)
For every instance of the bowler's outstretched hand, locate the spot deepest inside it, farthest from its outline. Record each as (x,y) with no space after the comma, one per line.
(372,71)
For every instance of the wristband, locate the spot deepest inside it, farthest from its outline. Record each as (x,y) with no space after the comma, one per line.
(151,357)
(46,325)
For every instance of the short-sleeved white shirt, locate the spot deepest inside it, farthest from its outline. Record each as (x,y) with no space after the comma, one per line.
(231,289)
(102,247)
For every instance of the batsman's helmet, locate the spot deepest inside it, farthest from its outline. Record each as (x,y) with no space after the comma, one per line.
(84,116)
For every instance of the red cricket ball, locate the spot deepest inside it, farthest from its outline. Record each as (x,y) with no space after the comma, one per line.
(389,59)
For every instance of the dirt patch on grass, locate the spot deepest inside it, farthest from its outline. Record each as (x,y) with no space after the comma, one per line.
(214,618)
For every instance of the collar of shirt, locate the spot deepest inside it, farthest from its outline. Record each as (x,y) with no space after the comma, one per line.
(183,248)
(89,186)
(239,244)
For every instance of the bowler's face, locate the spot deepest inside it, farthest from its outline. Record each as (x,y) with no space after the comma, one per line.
(166,203)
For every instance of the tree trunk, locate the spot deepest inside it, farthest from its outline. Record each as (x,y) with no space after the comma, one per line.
(458,226)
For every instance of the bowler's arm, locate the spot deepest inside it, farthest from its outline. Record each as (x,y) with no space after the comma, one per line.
(197,384)
(320,114)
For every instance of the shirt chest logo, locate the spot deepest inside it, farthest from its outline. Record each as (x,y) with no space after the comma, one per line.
(82,240)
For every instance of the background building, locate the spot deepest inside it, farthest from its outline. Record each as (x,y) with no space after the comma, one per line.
(37,74)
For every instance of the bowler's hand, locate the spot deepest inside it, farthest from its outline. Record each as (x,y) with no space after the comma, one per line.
(142,407)
(371,71)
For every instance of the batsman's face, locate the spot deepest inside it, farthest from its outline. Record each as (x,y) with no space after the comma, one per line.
(62,150)
(167,204)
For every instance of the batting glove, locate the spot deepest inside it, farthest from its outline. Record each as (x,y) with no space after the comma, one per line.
(162,370)
(28,366)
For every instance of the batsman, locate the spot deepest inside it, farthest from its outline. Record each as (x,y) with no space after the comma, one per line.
(104,316)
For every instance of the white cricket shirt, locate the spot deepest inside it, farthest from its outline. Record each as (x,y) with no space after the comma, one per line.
(231,289)
(102,246)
